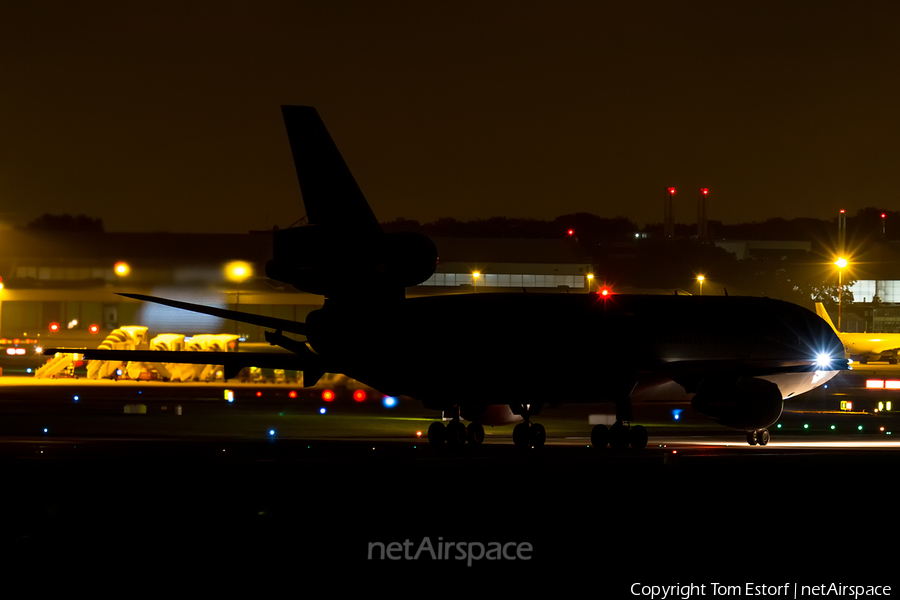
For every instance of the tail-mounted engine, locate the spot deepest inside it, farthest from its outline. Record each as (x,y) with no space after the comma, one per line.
(749,404)
(323,260)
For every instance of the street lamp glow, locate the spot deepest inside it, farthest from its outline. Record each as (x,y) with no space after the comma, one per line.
(841,262)
(701,279)
(238,271)
(122,269)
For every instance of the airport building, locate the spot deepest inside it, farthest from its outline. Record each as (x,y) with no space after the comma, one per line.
(61,289)
(876,288)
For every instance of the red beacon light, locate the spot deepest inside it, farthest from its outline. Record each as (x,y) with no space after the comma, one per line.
(292,394)
(604,292)
(571,232)
(327,395)
(94,328)
(672,191)
(54,327)
(359,395)
(704,191)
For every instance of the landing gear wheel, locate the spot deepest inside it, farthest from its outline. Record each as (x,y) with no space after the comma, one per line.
(638,437)
(522,435)
(600,436)
(762,437)
(538,435)
(475,434)
(751,438)
(618,436)
(436,434)
(456,433)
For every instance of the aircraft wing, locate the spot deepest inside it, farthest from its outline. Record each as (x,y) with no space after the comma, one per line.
(691,373)
(223,313)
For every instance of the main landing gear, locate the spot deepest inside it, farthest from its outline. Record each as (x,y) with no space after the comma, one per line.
(456,434)
(619,436)
(529,435)
(758,436)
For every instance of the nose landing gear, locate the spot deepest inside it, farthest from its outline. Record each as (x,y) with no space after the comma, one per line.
(758,436)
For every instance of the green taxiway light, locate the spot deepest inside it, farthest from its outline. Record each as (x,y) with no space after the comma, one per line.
(806,426)
(859,428)
(779,426)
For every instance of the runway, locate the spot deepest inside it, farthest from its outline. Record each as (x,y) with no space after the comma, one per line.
(212,486)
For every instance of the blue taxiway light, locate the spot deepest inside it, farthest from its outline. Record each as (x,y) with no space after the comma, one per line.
(389,402)
(322,411)
(271,432)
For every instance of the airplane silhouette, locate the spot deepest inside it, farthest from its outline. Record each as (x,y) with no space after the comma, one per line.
(497,358)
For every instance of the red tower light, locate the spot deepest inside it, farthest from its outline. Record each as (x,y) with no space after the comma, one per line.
(672,191)
(704,191)
(571,232)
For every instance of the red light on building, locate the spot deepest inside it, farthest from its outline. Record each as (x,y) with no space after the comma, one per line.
(571,232)
(327,395)
(54,327)
(259,394)
(292,394)
(94,328)
(883,215)
(359,395)
(604,291)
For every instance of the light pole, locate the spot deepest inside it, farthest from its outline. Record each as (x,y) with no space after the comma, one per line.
(475,277)
(237,272)
(700,278)
(590,278)
(841,262)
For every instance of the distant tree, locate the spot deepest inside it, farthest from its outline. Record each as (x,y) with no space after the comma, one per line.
(68,223)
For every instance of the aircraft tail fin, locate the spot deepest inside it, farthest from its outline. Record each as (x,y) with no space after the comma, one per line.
(820,310)
(343,236)
(330,193)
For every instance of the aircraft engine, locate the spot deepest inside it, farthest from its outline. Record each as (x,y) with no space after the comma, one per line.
(750,404)
(319,260)
(491,415)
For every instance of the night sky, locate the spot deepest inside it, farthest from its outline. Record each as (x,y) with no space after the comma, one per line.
(155,116)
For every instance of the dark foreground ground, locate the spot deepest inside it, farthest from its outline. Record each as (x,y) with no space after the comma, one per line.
(210,495)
